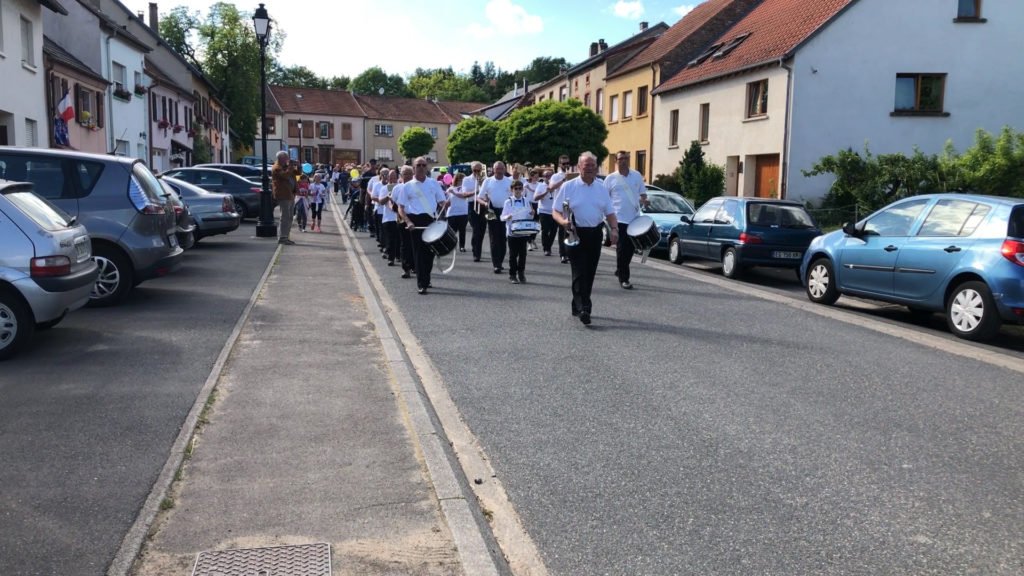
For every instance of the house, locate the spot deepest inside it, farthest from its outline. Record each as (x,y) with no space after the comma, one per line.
(795,81)
(172,126)
(70,78)
(630,114)
(318,126)
(387,118)
(23,111)
(502,107)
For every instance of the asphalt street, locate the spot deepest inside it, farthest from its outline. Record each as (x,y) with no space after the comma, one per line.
(693,429)
(88,414)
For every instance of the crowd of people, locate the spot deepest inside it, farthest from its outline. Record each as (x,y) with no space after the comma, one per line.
(565,204)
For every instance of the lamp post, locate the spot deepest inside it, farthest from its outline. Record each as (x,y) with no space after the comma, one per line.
(265,228)
(301,159)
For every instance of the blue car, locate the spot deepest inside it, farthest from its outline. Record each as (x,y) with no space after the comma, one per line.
(961,254)
(744,232)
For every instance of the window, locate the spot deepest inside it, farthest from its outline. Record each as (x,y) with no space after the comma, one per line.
(153,106)
(600,101)
(119,74)
(31,133)
(83,105)
(627,105)
(919,93)
(895,221)
(28,42)
(383,130)
(271,126)
(706,213)
(705,55)
(563,93)
(138,79)
(586,99)
(731,45)
(641,162)
(968,10)
(382,154)
(673,128)
(432,157)
(757,98)
(346,130)
(641,101)
(954,218)
(705,121)
(729,212)
(614,109)
(432,132)
(324,129)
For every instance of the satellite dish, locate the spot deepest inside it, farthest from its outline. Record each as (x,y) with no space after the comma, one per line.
(380,91)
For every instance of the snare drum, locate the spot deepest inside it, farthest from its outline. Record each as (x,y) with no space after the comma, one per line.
(643,232)
(524,228)
(440,237)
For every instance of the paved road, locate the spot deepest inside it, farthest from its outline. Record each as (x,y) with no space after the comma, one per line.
(88,415)
(694,429)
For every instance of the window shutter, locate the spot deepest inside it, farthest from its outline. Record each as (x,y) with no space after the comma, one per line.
(78,101)
(330,131)
(293,129)
(99,109)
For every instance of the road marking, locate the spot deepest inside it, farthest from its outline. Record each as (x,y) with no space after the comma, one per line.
(506,526)
(964,348)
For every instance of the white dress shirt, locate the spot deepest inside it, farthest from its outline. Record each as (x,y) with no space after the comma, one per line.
(515,209)
(420,197)
(458,206)
(389,214)
(590,204)
(543,199)
(497,190)
(626,192)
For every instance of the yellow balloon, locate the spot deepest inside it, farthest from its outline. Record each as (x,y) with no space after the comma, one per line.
(354,173)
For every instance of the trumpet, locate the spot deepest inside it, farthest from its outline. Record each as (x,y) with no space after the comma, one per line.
(486,207)
(571,238)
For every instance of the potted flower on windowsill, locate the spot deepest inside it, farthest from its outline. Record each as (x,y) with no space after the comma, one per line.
(178,128)
(163,124)
(140,89)
(85,119)
(191,133)
(122,93)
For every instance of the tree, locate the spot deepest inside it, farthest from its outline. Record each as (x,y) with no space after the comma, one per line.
(296,76)
(415,142)
(699,180)
(474,139)
(539,134)
(544,68)
(176,29)
(444,84)
(338,82)
(374,79)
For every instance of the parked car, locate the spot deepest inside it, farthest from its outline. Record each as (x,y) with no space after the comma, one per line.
(744,232)
(184,223)
(244,170)
(246,193)
(119,202)
(665,208)
(212,212)
(962,254)
(46,266)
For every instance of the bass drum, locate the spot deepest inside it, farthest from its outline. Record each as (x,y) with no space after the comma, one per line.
(440,237)
(643,232)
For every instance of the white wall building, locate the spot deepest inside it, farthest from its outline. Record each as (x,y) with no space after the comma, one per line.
(128,122)
(24,118)
(893,74)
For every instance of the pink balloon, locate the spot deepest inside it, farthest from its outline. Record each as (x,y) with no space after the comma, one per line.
(447,179)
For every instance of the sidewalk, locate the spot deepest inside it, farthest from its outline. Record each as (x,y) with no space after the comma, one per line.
(307,440)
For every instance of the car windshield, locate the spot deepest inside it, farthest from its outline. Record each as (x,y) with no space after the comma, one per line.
(782,215)
(667,204)
(48,216)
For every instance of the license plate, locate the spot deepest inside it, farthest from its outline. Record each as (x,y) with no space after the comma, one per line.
(787,255)
(172,240)
(82,252)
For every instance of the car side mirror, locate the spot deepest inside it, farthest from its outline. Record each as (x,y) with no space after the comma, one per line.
(685,219)
(850,229)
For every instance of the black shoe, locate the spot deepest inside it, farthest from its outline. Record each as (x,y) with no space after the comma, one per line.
(498,270)
(626,285)
(462,249)
(406,274)
(547,252)
(476,259)
(522,279)
(585,318)
(575,312)
(391,262)
(565,260)
(383,255)
(514,280)
(421,290)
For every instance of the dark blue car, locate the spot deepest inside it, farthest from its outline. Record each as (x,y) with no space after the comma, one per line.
(961,254)
(744,232)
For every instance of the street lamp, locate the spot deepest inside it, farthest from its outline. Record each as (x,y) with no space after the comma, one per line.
(301,159)
(265,228)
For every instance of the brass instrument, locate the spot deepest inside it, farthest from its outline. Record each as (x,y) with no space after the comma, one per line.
(571,238)
(479,207)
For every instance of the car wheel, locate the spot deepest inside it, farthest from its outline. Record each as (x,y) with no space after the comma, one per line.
(115,279)
(240,208)
(971,312)
(731,264)
(821,282)
(16,323)
(675,251)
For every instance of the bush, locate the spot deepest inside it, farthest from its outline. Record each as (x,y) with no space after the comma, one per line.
(699,180)
(668,182)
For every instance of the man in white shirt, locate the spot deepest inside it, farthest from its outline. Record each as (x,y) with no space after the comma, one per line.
(477,222)
(378,190)
(545,198)
(590,204)
(562,174)
(493,193)
(419,201)
(629,194)
(390,219)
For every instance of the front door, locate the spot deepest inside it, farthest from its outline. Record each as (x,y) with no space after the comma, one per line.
(766,183)
(326,154)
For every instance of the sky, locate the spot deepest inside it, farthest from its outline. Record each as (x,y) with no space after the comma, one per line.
(344,38)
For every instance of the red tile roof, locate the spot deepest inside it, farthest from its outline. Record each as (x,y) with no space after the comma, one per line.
(316,101)
(414,109)
(776,28)
(712,16)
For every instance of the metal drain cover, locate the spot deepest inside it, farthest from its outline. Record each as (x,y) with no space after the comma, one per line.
(301,560)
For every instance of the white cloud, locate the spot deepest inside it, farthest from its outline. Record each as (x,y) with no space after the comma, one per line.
(684,9)
(504,18)
(631,10)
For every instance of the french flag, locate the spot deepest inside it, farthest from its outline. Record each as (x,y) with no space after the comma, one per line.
(65,109)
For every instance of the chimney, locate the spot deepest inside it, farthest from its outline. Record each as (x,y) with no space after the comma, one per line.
(601,46)
(154,19)
(593,48)
(141,16)
(643,26)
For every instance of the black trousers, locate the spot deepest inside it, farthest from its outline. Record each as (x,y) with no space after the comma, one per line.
(624,253)
(458,223)
(423,255)
(517,257)
(379,230)
(548,232)
(496,231)
(584,259)
(405,241)
(479,225)
(391,240)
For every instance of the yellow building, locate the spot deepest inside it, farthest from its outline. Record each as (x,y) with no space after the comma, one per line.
(627,103)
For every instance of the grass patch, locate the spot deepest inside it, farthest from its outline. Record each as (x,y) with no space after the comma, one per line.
(204,415)
(166,504)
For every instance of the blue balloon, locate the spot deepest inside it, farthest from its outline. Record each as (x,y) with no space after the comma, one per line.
(307,168)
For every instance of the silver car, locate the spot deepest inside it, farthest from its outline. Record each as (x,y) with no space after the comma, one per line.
(212,213)
(46,266)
